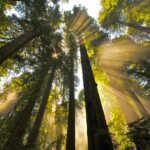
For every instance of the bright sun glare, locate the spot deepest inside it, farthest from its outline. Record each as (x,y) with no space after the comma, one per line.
(93,6)
(51,108)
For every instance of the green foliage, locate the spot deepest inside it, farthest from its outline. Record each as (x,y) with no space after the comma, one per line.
(53,38)
(140,133)
(114,11)
(22,85)
(119,129)
(54,121)
(111,10)
(139,73)
(138,14)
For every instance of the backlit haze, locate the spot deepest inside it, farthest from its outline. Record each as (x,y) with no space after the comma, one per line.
(93,6)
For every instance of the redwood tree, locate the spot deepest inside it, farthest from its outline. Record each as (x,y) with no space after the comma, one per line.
(13,47)
(35,129)
(17,133)
(97,130)
(70,143)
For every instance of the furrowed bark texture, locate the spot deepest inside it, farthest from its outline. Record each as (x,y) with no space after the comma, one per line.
(70,143)
(97,130)
(13,47)
(14,141)
(36,127)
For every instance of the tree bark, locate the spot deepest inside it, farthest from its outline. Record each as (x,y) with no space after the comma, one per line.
(70,143)
(36,127)
(16,136)
(97,130)
(59,143)
(135,26)
(13,47)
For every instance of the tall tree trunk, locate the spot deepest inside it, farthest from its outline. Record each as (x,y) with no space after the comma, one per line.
(59,143)
(13,47)
(59,127)
(17,134)
(97,130)
(51,145)
(135,26)
(36,127)
(70,143)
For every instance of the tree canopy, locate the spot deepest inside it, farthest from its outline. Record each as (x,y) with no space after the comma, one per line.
(43,51)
